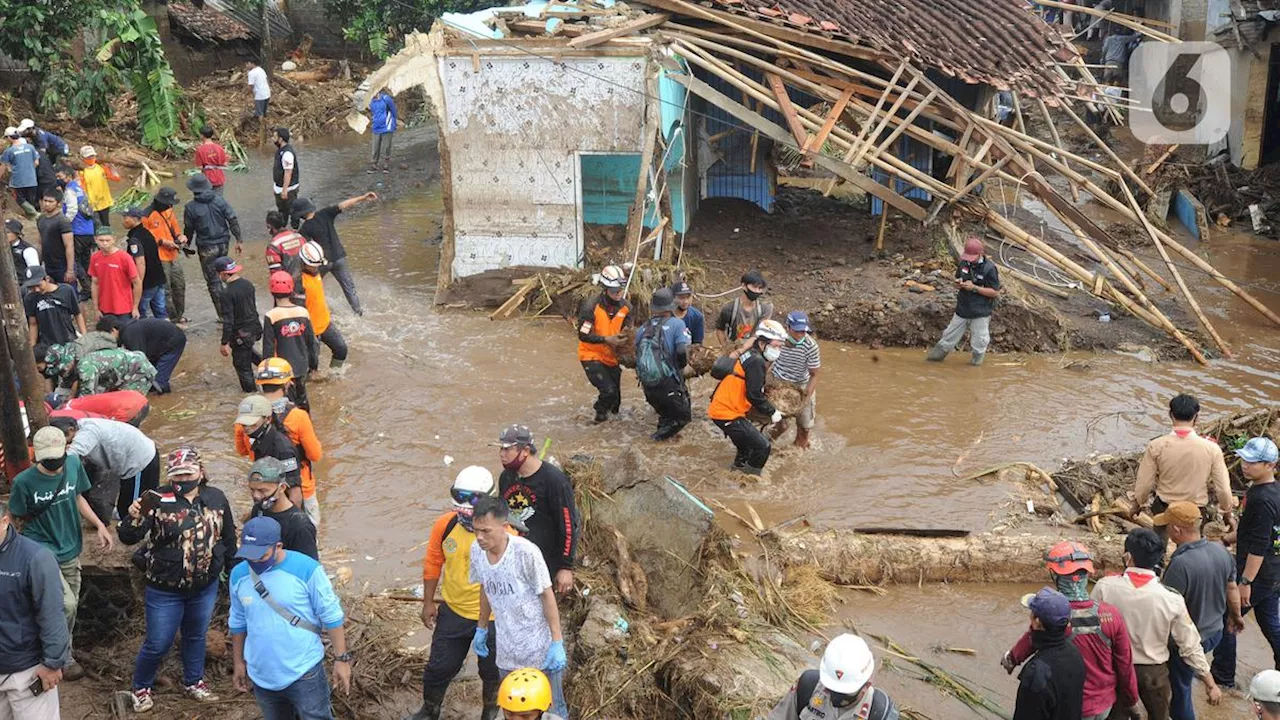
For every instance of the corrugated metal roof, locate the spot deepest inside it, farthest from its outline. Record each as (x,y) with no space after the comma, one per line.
(280,27)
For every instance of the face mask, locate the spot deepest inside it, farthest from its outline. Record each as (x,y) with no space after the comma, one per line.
(466,519)
(53,464)
(771,353)
(185,486)
(752,295)
(261,567)
(257,434)
(267,503)
(515,463)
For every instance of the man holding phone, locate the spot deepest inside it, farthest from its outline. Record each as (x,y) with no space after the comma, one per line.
(32,622)
(977,287)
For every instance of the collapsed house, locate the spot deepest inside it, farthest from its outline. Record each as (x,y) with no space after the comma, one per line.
(559,119)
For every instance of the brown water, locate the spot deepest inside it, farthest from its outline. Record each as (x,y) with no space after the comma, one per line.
(895,433)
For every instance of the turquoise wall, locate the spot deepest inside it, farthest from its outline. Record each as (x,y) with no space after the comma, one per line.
(608,187)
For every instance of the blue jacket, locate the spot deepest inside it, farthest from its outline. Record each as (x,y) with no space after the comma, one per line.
(383,109)
(33,629)
(47,141)
(82,222)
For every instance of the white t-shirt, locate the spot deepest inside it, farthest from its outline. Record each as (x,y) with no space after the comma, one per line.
(513,585)
(258,79)
(286,162)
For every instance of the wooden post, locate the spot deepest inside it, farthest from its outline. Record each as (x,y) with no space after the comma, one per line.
(653,122)
(893,81)
(15,329)
(884,220)
(12,439)
(264,34)
(1106,150)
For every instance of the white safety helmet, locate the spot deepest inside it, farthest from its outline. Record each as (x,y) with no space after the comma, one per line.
(612,276)
(1265,687)
(471,481)
(313,254)
(846,665)
(771,330)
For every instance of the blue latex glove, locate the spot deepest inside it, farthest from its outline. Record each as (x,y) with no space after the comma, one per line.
(481,643)
(556,659)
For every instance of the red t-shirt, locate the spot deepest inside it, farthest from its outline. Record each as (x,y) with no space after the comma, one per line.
(115,274)
(211,158)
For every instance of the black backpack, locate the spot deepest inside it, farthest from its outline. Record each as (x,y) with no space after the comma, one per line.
(882,708)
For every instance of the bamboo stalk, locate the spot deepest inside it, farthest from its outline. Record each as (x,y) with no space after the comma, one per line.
(1057,140)
(980,179)
(906,122)
(1036,282)
(1022,123)
(863,130)
(1177,276)
(1137,261)
(1118,18)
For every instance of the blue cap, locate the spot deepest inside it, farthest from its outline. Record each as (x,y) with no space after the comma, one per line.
(797,320)
(259,535)
(1259,449)
(1051,606)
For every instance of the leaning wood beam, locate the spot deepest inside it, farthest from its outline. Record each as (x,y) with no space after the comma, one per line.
(778,135)
(775,35)
(1177,276)
(955,171)
(1022,124)
(1128,21)
(862,131)
(1222,279)
(1106,150)
(634,26)
(788,110)
(906,123)
(816,142)
(979,180)
(1138,263)
(1057,140)
(884,122)
(653,118)
(1035,282)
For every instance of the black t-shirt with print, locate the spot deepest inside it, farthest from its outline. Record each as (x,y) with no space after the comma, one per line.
(55,313)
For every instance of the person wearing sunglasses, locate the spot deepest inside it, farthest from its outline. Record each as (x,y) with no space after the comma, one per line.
(841,682)
(447,566)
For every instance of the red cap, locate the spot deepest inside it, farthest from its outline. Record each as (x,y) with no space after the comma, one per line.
(281,283)
(972,249)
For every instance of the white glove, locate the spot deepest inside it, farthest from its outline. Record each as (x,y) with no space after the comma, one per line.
(777,417)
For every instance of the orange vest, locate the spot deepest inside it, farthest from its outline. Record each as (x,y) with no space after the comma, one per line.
(162,226)
(604,326)
(729,401)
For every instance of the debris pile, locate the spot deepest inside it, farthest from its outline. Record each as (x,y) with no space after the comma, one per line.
(313,99)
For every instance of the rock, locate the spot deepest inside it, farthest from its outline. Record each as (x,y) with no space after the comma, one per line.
(664,525)
(629,469)
(215,644)
(603,628)
(288,66)
(841,262)
(739,670)
(828,307)
(876,345)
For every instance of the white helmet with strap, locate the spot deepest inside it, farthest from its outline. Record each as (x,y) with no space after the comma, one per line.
(312,253)
(771,330)
(846,665)
(612,277)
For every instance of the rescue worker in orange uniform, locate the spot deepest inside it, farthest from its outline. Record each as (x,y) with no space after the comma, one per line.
(162,223)
(742,391)
(600,323)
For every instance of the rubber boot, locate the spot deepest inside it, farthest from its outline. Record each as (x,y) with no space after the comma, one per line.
(430,709)
(977,358)
(936,354)
(30,211)
(490,710)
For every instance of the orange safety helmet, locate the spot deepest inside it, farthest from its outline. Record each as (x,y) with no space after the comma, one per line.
(280,283)
(1068,558)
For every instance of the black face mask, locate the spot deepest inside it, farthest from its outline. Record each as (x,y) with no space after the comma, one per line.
(261,431)
(53,464)
(185,486)
(752,295)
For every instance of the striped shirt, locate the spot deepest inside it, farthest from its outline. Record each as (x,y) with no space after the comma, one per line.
(796,361)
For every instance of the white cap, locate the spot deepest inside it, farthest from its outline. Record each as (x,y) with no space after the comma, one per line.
(88,151)
(10,131)
(26,124)
(1265,686)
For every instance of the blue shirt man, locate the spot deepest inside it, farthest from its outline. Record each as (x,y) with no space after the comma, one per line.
(661,374)
(383,109)
(687,313)
(21,159)
(280,603)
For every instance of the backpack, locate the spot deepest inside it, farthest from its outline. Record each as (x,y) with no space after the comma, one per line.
(882,708)
(653,362)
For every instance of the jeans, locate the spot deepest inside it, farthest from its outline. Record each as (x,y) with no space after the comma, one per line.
(70,592)
(1181,675)
(166,613)
(608,383)
(208,254)
(382,148)
(558,705)
(1224,656)
(307,698)
(336,344)
(342,273)
(165,365)
(979,333)
(175,289)
(260,107)
(17,702)
(153,300)
(450,644)
(670,399)
(244,358)
(753,447)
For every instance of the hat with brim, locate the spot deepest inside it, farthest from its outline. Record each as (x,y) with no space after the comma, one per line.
(1259,449)
(662,302)
(1182,513)
(514,435)
(183,469)
(166,196)
(49,443)
(252,409)
(302,206)
(259,536)
(199,183)
(798,321)
(33,276)
(972,250)
(14,226)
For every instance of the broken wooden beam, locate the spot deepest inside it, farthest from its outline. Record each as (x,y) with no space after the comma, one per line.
(628,28)
(816,142)
(788,110)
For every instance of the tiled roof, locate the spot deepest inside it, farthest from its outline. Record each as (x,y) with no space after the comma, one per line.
(997,42)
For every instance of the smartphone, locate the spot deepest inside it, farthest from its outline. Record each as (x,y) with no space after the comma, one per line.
(150,501)
(37,686)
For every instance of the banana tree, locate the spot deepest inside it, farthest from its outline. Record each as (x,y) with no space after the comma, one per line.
(134,49)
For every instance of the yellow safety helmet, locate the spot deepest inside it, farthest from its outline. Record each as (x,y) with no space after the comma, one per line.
(274,371)
(524,690)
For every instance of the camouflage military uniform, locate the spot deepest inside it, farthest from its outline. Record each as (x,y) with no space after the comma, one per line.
(116,369)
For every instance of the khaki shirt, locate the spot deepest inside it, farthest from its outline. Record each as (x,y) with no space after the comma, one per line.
(1183,467)
(1153,614)
(819,707)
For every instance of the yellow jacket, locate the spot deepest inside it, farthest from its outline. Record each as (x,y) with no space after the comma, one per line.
(96,187)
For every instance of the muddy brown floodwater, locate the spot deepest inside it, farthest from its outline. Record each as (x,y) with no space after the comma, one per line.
(895,433)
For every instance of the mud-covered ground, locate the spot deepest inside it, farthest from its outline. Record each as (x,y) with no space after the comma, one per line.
(819,256)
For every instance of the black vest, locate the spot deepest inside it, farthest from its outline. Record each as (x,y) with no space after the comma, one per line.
(278,172)
(19,261)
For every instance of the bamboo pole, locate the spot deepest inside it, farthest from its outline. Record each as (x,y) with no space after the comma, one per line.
(884,122)
(1177,276)
(1057,140)
(1118,18)
(1137,261)
(906,122)
(1022,124)
(1036,282)
(831,184)
(980,179)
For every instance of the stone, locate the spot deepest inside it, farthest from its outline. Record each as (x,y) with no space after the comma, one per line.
(841,262)
(627,470)
(828,307)
(738,669)
(603,628)
(664,525)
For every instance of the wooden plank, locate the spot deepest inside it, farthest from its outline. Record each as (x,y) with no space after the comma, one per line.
(906,122)
(958,162)
(816,142)
(507,308)
(633,26)
(653,118)
(788,110)
(1156,165)
(862,131)
(979,180)
(773,132)
(539,27)
(884,122)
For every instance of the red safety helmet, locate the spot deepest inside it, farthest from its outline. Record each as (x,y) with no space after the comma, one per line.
(1068,558)
(281,283)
